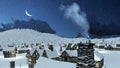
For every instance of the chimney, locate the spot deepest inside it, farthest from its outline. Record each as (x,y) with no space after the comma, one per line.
(50,47)
(85,55)
(12,64)
(31,65)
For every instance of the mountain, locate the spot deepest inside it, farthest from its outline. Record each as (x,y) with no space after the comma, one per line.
(37,25)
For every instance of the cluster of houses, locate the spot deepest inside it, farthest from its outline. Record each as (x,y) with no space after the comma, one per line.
(106,46)
(82,54)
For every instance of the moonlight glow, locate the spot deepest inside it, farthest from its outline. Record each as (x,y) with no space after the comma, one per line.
(28,14)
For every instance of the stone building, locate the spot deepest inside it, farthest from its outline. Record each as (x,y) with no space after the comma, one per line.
(85,55)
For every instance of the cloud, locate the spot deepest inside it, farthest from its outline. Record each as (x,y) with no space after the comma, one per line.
(78,17)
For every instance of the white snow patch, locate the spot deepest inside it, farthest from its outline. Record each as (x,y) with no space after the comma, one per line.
(48,63)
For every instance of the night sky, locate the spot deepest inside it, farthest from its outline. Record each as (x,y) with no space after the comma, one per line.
(104,11)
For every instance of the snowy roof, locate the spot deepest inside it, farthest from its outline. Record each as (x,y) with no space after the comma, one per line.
(42,43)
(48,63)
(52,54)
(8,48)
(35,47)
(50,43)
(22,48)
(32,51)
(40,51)
(72,52)
(98,56)
(101,44)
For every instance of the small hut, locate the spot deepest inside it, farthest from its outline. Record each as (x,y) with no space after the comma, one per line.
(9,52)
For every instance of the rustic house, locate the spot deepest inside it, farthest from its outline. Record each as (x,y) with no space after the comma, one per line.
(12,45)
(50,47)
(69,46)
(74,47)
(9,52)
(22,50)
(117,45)
(99,59)
(100,46)
(109,47)
(32,56)
(50,54)
(68,56)
(64,45)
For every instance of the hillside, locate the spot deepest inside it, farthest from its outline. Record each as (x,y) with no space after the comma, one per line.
(25,36)
(29,36)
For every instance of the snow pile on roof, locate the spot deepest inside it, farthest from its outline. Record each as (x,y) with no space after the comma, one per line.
(32,51)
(98,56)
(40,52)
(8,48)
(72,53)
(48,63)
(51,54)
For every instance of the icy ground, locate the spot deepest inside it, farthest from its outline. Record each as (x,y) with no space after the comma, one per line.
(48,63)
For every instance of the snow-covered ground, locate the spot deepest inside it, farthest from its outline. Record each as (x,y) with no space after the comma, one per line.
(20,61)
(18,36)
(48,63)
(28,36)
(111,58)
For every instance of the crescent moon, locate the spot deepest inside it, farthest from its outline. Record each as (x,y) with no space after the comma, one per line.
(28,14)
